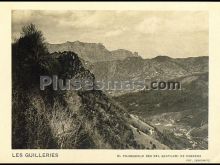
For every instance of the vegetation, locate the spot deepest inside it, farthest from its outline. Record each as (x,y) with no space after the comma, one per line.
(192,96)
(30,60)
(55,118)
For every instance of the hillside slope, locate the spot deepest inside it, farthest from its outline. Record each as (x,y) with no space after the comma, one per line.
(136,68)
(70,119)
(180,114)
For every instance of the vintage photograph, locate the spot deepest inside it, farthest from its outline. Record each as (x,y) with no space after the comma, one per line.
(110,79)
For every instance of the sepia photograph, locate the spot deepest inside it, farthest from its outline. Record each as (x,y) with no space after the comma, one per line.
(110,79)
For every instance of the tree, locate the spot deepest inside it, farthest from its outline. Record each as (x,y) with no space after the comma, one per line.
(29,53)
(33,38)
(32,43)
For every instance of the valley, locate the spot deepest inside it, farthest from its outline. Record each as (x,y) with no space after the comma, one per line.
(102,119)
(159,119)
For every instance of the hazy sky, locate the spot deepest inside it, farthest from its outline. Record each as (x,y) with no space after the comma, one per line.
(150,33)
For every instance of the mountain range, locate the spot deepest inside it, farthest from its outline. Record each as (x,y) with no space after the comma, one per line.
(123,65)
(92,52)
(179,111)
(95,119)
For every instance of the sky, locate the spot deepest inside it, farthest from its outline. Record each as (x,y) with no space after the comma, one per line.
(150,33)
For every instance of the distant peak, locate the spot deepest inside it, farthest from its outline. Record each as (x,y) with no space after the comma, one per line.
(162,58)
(72,42)
(121,50)
(77,41)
